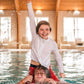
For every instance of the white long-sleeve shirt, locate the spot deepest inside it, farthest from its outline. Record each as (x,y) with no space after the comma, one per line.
(41,48)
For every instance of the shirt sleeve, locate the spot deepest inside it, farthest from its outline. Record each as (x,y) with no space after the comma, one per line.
(32,19)
(58,57)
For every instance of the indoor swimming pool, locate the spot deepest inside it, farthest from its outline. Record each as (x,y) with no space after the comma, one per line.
(14,65)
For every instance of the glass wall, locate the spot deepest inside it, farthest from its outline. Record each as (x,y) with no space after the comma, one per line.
(73,29)
(5,29)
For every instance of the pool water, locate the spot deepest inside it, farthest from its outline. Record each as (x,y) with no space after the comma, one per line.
(73,61)
(14,65)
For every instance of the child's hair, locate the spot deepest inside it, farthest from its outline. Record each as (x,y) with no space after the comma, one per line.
(42,23)
(40,67)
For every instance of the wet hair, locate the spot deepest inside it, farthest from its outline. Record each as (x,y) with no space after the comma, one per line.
(46,70)
(42,23)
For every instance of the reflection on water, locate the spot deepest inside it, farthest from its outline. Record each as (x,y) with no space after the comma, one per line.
(73,61)
(14,66)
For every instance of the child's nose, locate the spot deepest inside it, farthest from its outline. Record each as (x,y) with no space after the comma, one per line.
(39,75)
(44,31)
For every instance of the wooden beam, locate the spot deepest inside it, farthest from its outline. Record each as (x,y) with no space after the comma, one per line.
(57,9)
(57,5)
(17,7)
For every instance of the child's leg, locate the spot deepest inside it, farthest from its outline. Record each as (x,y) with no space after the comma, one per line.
(53,76)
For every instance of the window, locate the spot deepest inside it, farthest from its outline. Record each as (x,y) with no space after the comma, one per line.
(73,29)
(5,29)
(28,32)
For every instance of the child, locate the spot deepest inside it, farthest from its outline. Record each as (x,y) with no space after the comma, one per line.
(41,75)
(42,46)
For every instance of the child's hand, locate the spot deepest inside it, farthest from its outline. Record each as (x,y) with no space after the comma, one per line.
(49,80)
(26,79)
(28,1)
(62,75)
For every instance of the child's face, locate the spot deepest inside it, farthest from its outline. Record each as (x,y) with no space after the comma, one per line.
(44,31)
(40,76)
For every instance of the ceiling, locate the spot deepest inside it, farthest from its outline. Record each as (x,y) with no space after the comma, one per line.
(60,5)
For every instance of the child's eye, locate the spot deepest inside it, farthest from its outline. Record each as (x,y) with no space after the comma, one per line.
(41,29)
(47,29)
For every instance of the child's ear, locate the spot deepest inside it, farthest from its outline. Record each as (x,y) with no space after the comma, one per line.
(50,29)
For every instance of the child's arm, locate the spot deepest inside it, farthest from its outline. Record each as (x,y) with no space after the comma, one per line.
(32,19)
(58,60)
(27,78)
